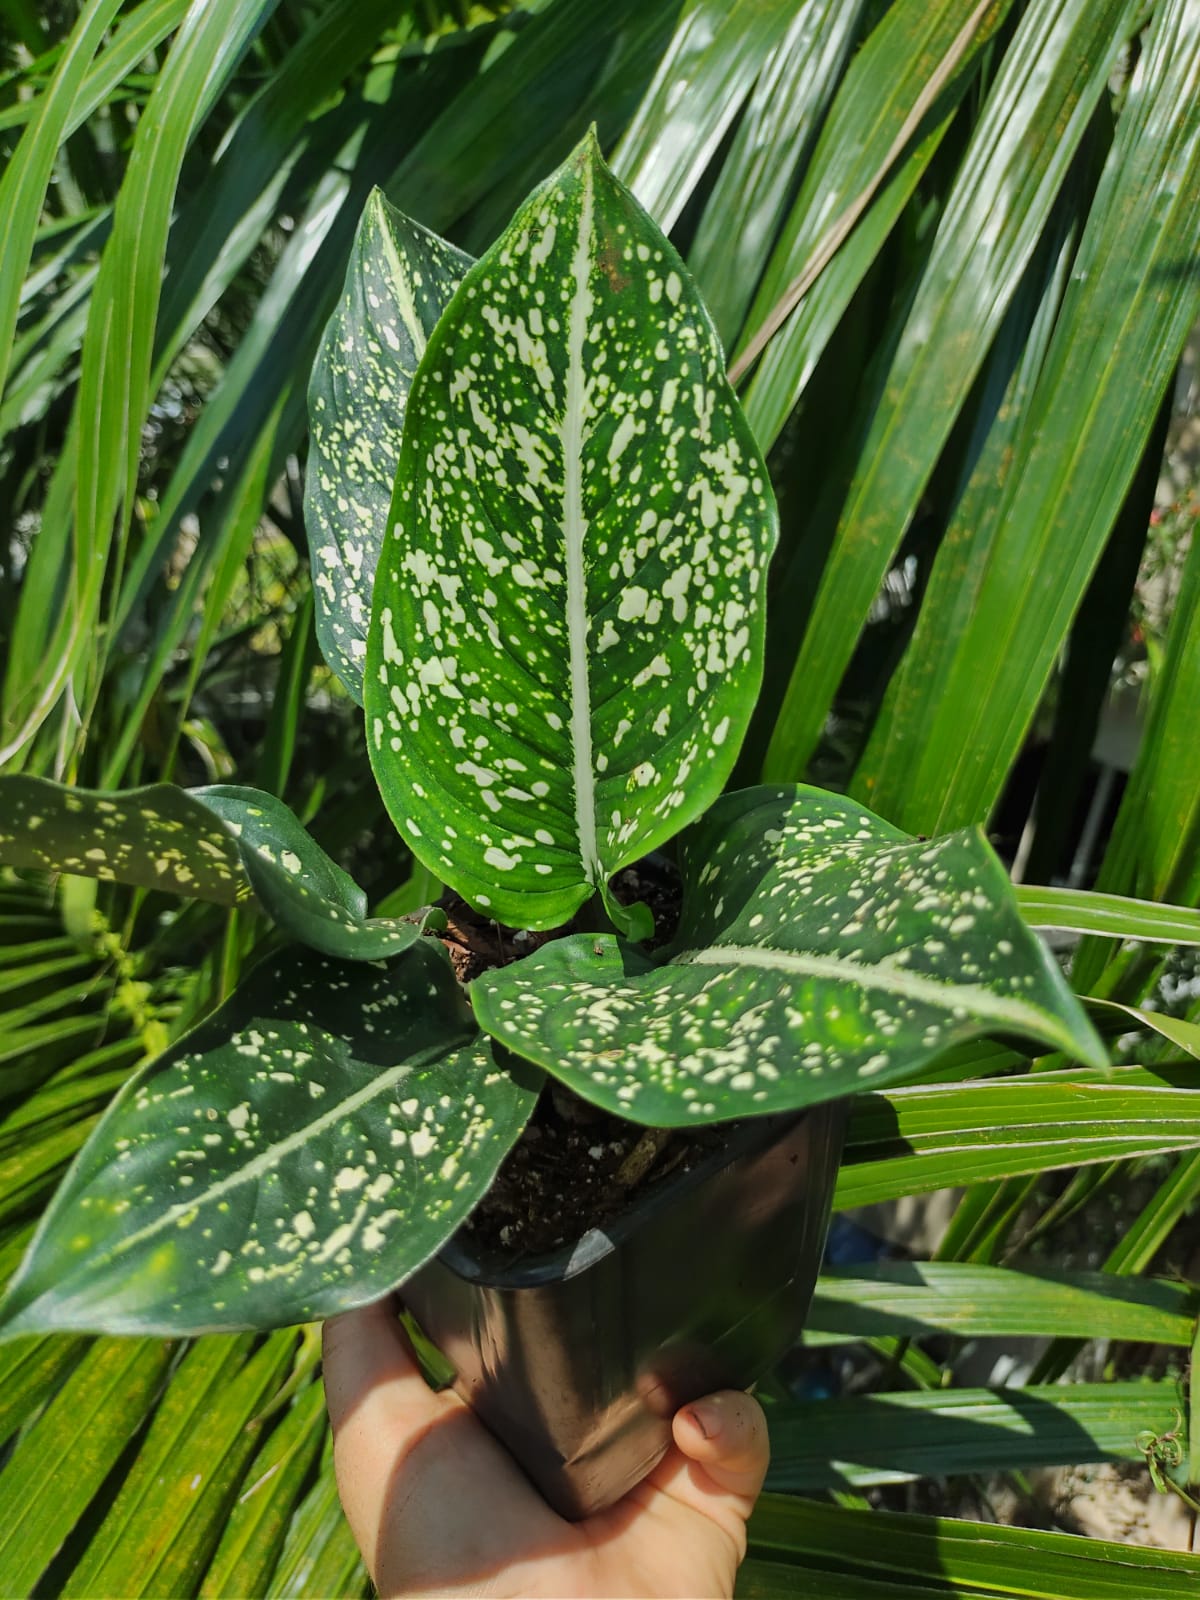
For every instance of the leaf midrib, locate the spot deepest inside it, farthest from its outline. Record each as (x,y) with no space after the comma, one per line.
(269,1158)
(886,975)
(574,534)
(405,302)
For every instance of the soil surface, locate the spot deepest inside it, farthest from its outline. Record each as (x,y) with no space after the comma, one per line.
(575,1167)
(477,944)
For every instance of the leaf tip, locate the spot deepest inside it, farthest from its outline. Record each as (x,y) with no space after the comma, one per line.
(1090,1048)
(587,152)
(15,1322)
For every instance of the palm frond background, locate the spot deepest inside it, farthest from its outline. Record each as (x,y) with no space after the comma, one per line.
(952,250)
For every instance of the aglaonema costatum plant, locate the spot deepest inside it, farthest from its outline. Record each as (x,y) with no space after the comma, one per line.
(540,530)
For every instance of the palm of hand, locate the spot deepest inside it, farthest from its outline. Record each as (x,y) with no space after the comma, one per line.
(439,1507)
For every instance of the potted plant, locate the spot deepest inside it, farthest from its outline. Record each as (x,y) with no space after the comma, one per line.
(539,531)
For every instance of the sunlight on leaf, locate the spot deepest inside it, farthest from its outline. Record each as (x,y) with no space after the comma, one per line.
(821,951)
(301,1152)
(566,638)
(399,281)
(223,843)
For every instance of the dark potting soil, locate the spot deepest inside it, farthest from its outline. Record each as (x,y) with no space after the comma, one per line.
(575,1167)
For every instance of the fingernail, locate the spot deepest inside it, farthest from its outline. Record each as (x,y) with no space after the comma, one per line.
(707,1418)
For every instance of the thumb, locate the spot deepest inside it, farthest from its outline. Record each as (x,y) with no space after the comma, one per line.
(725,1434)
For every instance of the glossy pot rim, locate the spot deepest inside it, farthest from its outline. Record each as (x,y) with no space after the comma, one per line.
(496,1269)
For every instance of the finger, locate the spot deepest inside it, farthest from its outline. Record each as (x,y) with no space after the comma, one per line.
(726,1435)
(371,1375)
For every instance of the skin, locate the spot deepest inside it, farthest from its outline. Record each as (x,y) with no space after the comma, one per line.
(438,1507)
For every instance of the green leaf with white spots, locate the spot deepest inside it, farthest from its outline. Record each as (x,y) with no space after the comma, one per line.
(222,843)
(158,837)
(398,283)
(307,895)
(299,1153)
(820,951)
(566,632)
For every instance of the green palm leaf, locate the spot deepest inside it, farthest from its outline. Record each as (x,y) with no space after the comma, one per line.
(1036,114)
(910,1141)
(89,1422)
(719,50)
(889,1438)
(801,1547)
(1123,323)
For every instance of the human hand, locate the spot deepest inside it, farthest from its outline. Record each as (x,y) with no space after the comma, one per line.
(439,1507)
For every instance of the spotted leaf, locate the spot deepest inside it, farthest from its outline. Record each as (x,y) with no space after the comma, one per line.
(302,1151)
(222,843)
(158,837)
(309,896)
(821,951)
(398,283)
(566,632)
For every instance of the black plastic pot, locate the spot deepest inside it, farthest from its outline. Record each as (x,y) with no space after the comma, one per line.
(578,1359)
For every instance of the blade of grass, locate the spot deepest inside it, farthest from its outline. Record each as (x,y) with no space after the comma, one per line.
(1133,296)
(25,179)
(135,36)
(235,515)
(299,656)
(891,1438)
(222,221)
(910,1141)
(708,70)
(43,358)
(42,627)
(1036,114)
(114,380)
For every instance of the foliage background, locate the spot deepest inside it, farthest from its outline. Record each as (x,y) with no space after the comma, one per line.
(984,223)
